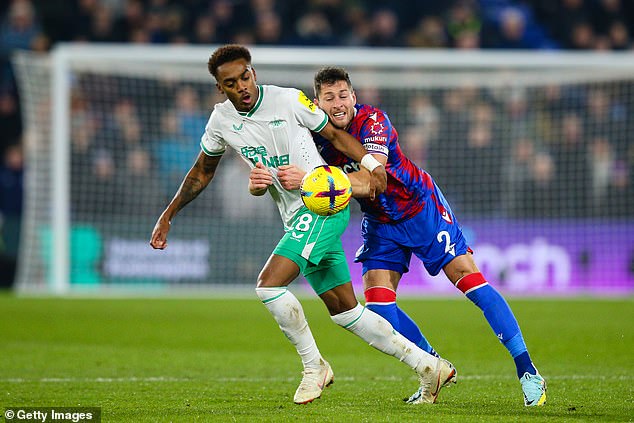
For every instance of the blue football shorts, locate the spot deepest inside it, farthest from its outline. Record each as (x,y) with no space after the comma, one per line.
(433,235)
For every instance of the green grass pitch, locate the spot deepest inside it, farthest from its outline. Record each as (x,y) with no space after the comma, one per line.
(181,360)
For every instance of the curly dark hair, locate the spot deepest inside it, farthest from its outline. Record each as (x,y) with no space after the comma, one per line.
(330,75)
(225,54)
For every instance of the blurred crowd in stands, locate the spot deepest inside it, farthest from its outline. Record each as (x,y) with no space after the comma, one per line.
(544,151)
(570,24)
(545,136)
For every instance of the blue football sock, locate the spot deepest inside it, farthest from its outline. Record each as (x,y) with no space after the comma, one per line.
(382,301)
(411,331)
(501,319)
(389,313)
(523,362)
(403,324)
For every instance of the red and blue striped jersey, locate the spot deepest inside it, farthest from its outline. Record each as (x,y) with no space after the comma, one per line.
(408,186)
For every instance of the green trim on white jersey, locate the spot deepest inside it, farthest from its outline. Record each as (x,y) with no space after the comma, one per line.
(322,125)
(257,104)
(209,153)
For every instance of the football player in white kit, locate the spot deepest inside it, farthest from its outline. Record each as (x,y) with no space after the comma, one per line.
(269,127)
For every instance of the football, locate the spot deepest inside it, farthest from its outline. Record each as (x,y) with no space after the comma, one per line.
(326,190)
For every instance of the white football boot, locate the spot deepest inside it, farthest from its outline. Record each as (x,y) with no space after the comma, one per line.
(431,381)
(313,382)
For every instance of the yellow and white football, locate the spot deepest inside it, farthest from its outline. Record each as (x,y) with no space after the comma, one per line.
(326,190)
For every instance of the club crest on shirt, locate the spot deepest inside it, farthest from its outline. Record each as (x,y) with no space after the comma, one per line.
(377,128)
(278,123)
(446,217)
(306,101)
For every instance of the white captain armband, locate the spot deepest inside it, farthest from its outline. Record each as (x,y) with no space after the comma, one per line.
(369,162)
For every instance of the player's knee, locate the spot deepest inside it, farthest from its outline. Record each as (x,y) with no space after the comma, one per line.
(266,281)
(460,267)
(338,302)
(261,283)
(338,309)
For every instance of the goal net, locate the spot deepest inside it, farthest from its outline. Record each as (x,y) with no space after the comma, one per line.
(533,150)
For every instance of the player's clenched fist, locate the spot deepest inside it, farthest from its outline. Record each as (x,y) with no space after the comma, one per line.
(159,234)
(260,179)
(290,176)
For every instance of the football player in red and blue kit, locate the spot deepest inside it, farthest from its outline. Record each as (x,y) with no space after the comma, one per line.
(412,216)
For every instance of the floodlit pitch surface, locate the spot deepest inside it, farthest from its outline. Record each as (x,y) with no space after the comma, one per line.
(148,360)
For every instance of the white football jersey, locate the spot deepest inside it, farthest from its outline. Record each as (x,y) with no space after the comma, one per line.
(275,132)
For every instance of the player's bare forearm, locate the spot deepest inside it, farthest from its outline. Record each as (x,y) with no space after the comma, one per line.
(360,181)
(198,177)
(344,142)
(379,175)
(196,180)
(352,148)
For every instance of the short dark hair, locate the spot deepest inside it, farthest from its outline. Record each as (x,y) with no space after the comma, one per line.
(225,54)
(330,75)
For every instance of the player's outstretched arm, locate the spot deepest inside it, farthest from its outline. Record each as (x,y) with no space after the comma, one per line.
(198,177)
(352,148)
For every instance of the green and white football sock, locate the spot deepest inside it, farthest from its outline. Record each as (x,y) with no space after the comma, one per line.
(380,334)
(289,315)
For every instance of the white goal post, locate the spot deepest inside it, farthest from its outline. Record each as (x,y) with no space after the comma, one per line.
(534,151)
